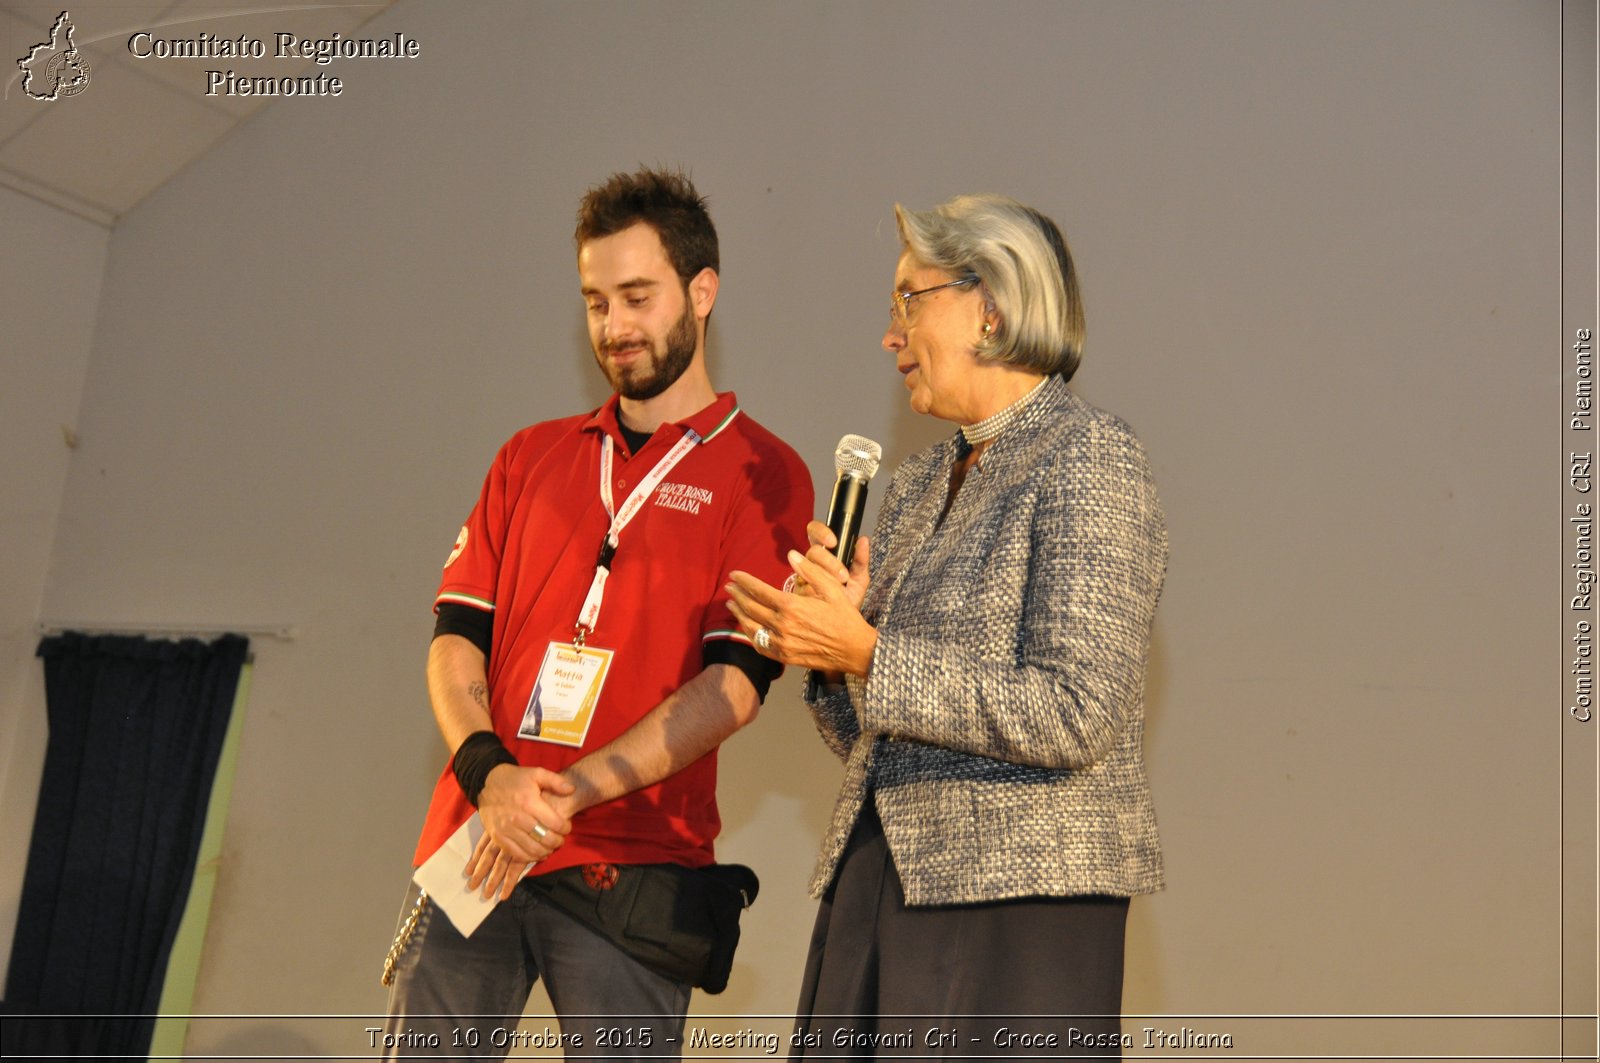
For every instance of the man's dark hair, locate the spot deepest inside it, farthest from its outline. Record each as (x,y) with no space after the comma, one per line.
(665,200)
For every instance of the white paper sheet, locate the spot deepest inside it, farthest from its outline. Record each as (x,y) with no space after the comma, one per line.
(441,876)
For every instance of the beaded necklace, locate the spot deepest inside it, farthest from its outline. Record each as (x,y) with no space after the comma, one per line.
(991,426)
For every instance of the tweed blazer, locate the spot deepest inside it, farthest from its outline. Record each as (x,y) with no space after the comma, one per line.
(1000,727)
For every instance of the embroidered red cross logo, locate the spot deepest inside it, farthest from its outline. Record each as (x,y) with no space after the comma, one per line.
(600,876)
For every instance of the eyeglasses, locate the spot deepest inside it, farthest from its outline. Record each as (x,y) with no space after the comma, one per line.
(900,302)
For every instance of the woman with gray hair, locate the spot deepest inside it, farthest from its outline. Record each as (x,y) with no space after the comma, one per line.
(980,669)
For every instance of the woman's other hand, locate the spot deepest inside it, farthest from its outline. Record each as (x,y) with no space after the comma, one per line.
(819,625)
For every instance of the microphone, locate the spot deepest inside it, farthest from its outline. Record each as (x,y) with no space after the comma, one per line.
(856,460)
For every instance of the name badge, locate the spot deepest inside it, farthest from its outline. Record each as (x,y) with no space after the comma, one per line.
(565,695)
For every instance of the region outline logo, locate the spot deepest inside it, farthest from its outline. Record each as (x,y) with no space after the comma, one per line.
(66,71)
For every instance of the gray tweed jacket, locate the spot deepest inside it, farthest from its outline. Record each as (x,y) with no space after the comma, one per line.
(1001,726)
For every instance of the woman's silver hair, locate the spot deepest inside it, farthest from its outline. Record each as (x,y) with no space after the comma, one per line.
(1022,260)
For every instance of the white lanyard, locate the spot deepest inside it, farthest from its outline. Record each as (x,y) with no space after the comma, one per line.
(589,615)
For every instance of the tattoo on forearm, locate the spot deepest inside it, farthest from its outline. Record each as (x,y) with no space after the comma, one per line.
(480,694)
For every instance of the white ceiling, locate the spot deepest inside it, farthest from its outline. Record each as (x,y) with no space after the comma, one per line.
(138,121)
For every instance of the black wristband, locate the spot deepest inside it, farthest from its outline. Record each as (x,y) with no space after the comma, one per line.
(478,755)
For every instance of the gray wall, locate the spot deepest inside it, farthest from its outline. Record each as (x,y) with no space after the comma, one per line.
(51,282)
(1318,242)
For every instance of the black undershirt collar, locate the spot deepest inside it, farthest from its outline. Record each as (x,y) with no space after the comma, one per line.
(635,440)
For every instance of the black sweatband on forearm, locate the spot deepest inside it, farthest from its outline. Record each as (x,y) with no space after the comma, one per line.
(480,753)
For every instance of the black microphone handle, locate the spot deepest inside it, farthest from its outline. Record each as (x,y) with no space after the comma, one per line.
(844,514)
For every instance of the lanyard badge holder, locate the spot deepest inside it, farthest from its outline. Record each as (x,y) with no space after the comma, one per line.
(602,570)
(570,680)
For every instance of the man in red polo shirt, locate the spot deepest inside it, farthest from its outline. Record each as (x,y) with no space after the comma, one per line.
(585,665)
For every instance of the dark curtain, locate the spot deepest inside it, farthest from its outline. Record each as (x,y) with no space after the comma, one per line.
(136,728)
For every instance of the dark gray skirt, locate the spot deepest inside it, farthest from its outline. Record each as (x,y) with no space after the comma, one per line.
(1039,976)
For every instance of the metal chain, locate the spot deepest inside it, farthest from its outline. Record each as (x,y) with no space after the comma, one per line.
(402,938)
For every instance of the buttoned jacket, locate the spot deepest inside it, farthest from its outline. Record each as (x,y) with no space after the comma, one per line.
(1000,727)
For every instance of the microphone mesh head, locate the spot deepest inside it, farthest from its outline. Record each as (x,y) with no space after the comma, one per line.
(857,456)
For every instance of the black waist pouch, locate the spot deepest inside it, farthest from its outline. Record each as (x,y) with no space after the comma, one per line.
(681,922)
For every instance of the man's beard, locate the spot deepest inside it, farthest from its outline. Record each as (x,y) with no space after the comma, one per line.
(640,382)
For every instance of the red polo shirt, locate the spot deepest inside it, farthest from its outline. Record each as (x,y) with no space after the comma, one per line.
(740,499)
